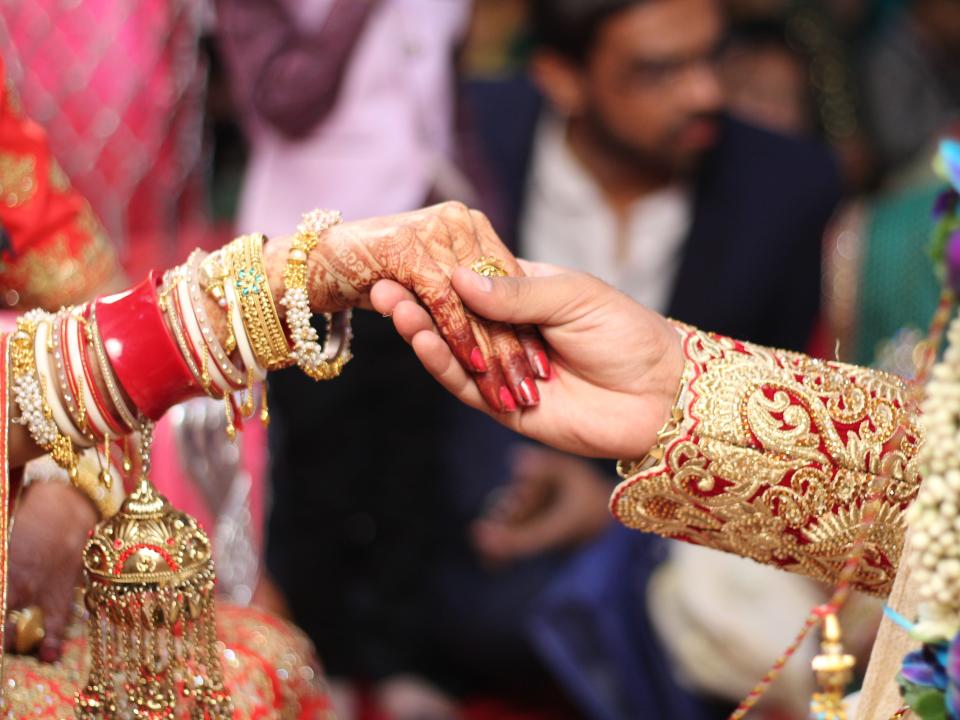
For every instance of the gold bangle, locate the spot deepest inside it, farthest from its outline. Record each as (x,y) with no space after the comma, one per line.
(28,393)
(260,317)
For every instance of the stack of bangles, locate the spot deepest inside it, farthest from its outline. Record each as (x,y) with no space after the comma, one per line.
(86,378)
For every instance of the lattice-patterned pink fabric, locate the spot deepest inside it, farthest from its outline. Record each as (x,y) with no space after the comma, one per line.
(118,84)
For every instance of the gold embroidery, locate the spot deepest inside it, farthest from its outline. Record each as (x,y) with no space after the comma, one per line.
(54,275)
(14,106)
(776,458)
(58,178)
(18,178)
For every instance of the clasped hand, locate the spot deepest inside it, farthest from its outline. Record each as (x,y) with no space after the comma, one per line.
(615,365)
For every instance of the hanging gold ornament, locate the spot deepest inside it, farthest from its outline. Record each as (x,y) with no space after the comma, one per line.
(150,597)
(834,671)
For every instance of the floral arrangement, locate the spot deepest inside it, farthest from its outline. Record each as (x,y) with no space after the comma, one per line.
(930,677)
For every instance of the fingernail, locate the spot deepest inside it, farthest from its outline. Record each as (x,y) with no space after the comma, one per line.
(541,364)
(507,403)
(484,284)
(477,361)
(528,392)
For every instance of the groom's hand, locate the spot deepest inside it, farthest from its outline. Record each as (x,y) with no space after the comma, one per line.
(616,366)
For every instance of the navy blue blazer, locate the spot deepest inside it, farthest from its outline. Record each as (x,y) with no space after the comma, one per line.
(751,261)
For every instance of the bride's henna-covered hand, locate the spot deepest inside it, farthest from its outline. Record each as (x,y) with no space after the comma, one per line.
(421,250)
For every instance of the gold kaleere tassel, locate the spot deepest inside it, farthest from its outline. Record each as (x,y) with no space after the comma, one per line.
(834,671)
(106,479)
(150,597)
(228,412)
(264,407)
(249,404)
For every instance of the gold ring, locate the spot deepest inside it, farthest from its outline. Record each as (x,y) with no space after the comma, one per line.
(29,629)
(488,266)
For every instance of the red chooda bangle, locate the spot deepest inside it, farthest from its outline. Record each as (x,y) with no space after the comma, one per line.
(142,350)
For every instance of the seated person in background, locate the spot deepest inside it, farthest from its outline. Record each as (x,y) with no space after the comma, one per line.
(767,81)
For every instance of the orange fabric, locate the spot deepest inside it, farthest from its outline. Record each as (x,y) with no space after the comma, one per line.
(54,251)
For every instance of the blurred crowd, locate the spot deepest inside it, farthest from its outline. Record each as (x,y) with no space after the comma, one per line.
(759,168)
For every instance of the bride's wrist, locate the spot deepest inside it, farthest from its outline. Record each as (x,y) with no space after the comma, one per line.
(326,292)
(275,254)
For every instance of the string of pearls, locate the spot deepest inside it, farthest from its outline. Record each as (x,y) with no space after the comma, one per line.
(320,362)
(935,516)
(28,395)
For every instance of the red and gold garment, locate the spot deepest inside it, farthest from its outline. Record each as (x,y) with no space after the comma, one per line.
(774,458)
(53,250)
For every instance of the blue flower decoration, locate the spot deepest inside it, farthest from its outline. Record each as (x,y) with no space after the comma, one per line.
(948,162)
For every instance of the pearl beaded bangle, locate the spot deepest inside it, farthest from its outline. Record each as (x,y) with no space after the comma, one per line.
(60,416)
(319,363)
(28,393)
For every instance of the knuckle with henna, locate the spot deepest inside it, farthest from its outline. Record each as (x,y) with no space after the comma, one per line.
(454,208)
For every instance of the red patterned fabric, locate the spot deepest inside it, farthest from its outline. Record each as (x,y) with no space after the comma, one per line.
(119,88)
(53,251)
(268,666)
(775,458)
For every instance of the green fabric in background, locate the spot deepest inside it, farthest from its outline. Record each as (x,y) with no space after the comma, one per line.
(898,288)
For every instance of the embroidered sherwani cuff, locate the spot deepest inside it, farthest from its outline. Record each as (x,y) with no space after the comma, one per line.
(775,459)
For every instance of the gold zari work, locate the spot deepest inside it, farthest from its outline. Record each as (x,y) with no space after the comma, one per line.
(150,598)
(18,178)
(776,458)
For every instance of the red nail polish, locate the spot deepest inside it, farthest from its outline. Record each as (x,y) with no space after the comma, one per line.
(507,403)
(528,392)
(541,364)
(477,360)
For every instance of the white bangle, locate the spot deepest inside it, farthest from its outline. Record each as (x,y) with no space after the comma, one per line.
(195,337)
(126,413)
(98,424)
(231,373)
(240,334)
(60,416)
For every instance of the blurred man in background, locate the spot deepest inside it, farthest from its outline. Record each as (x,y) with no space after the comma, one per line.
(636,174)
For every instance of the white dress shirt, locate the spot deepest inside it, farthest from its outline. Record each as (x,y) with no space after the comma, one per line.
(389,137)
(567,222)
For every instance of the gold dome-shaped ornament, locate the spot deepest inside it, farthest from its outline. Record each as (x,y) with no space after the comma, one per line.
(834,670)
(151,630)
